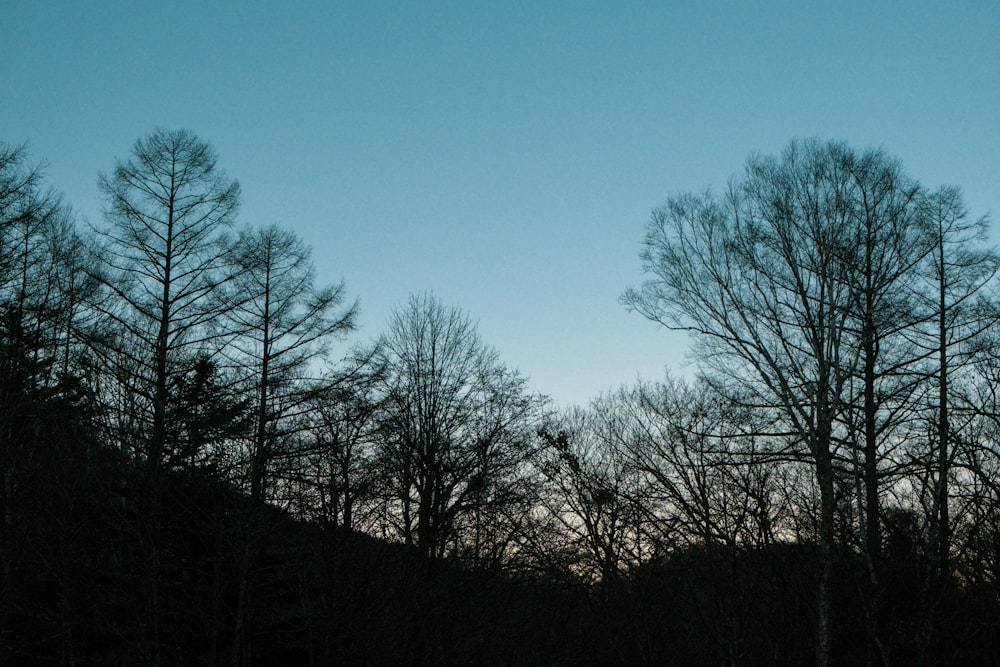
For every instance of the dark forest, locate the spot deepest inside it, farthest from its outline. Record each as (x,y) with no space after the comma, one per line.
(199,466)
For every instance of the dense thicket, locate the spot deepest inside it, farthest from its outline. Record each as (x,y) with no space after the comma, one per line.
(190,475)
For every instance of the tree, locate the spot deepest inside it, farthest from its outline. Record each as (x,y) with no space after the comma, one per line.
(43,264)
(962,308)
(699,453)
(207,413)
(887,217)
(24,211)
(457,424)
(766,277)
(338,466)
(167,209)
(962,273)
(282,323)
(592,494)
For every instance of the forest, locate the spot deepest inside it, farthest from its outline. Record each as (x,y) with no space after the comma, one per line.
(198,467)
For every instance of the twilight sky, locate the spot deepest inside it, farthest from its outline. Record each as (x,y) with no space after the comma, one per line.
(505,155)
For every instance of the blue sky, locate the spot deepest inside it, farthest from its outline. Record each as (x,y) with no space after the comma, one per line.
(505,155)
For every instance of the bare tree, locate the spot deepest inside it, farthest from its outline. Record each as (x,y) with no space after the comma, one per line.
(41,406)
(26,209)
(167,209)
(964,313)
(700,454)
(962,306)
(340,461)
(43,265)
(711,493)
(887,217)
(281,324)
(763,277)
(593,495)
(456,423)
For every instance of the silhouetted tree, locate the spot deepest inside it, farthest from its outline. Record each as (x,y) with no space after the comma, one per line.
(281,324)
(964,309)
(884,210)
(338,466)
(43,265)
(593,496)
(456,423)
(207,414)
(700,454)
(763,277)
(164,258)
(25,211)
(48,452)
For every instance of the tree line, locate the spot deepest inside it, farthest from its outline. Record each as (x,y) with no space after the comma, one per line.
(198,468)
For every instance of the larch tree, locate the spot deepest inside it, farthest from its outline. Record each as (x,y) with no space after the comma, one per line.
(41,257)
(163,259)
(887,217)
(279,324)
(958,294)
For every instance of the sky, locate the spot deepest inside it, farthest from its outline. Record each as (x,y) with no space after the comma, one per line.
(504,155)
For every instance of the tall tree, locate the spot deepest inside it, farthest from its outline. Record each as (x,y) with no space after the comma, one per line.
(886,216)
(964,309)
(281,323)
(167,208)
(763,276)
(164,257)
(25,359)
(962,306)
(24,210)
(42,262)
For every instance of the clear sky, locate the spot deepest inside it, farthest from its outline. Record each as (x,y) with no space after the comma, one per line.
(505,155)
